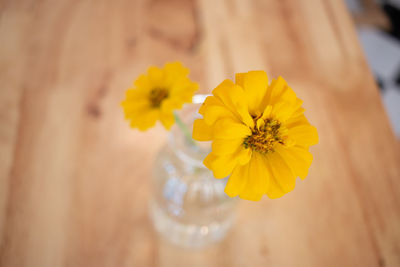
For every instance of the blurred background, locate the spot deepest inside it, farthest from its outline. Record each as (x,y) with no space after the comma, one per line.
(378,28)
(75,179)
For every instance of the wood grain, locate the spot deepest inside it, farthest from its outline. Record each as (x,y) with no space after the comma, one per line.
(74,179)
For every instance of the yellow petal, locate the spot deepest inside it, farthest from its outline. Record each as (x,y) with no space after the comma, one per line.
(201,131)
(275,90)
(230,129)
(246,194)
(281,172)
(136,94)
(244,156)
(237,181)
(208,161)
(222,91)
(298,159)
(255,84)
(296,121)
(155,74)
(267,112)
(289,95)
(213,109)
(226,146)
(167,119)
(221,166)
(258,178)
(234,98)
(298,112)
(142,83)
(304,135)
(274,190)
(260,123)
(170,104)
(176,69)
(239,79)
(146,120)
(210,101)
(183,88)
(135,107)
(215,113)
(282,111)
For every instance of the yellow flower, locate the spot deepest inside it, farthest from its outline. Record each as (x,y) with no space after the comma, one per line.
(157,94)
(259,135)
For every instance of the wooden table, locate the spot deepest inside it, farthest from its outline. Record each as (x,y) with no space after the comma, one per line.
(74,181)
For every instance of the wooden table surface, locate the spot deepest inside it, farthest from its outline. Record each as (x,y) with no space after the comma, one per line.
(74,178)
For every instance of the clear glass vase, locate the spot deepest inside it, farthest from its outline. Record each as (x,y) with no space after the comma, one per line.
(188,206)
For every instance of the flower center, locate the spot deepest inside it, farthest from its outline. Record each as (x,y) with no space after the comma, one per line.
(157,95)
(264,138)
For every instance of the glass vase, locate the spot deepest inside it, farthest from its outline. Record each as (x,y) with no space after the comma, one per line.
(188,205)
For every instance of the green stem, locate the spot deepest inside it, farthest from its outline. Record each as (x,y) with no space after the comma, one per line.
(184,129)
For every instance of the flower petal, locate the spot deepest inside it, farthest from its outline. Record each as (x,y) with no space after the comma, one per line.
(237,181)
(296,121)
(142,83)
(282,111)
(255,84)
(234,98)
(174,69)
(275,90)
(258,178)
(244,156)
(304,135)
(183,89)
(201,131)
(226,146)
(210,101)
(281,172)
(213,109)
(136,94)
(170,104)
(156,75)
(230,129)
(222,165)
(167,119)
(132,108)
(146,120)
(239,79)
(298,159)
(274,190)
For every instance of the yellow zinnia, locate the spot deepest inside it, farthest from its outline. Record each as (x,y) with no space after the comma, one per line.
(157,94)
(259,135)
